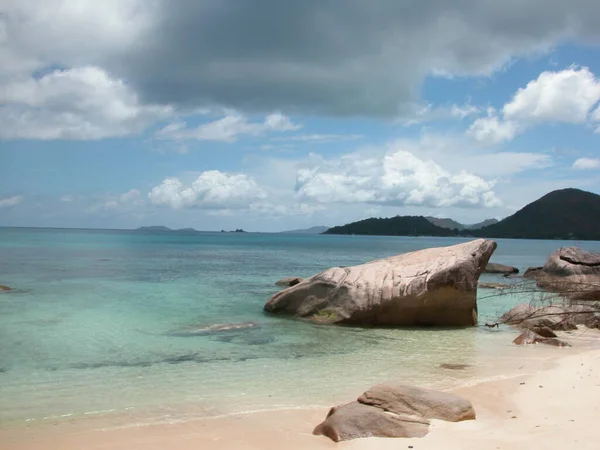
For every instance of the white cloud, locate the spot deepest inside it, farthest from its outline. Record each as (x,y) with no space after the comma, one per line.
(82,103)
(211,190)
(586,163)
(128,202)
(67,198)
(399,178)
(228,128)
(566,96)
(7,202)
(491,130)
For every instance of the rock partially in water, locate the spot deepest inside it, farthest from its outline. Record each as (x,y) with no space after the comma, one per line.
(529,337)
(528,316)
(573,272)
(393,410)
(436,286)
(197,330)
(500,268)
(5,288)
(289,281)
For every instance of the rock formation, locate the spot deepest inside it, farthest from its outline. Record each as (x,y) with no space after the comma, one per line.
(573,272)
(436,286)
(393,410)
(529,337)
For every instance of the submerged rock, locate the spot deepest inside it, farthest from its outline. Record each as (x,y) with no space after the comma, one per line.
(573,272)
(393,410)
(500,268)
(436,286)
(529,337)
(196,330)
(289,281)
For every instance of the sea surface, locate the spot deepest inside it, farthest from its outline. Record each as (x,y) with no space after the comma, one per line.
(102,322)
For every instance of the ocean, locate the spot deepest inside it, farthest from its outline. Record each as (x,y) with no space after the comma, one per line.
(102,322)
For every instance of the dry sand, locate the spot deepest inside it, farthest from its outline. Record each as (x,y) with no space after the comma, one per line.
(556,408)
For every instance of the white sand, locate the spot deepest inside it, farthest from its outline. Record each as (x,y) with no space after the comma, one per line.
(557,408)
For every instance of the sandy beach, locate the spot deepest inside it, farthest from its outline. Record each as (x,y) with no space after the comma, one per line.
(555,408)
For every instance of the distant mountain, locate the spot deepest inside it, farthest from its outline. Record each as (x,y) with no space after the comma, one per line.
(479,225)
(154,228)
(311,230)
(395,226)
(446,223)
(454,225)
(562,214)
(161,228)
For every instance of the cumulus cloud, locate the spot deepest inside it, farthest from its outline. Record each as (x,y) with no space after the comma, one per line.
(338,57)
(82,103)
(399,178)
(7,202)
(228,128)
(565,96)
(211,190)
(492,130)
(586,163)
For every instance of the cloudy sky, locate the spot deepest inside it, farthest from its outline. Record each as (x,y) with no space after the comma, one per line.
(271,114)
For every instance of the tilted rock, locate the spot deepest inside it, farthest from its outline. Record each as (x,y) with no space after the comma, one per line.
(500,268)
(528,337)
(573,272)
(355,420)
(414,401)
(436,286)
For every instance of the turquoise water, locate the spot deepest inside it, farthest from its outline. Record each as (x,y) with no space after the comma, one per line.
(95,324)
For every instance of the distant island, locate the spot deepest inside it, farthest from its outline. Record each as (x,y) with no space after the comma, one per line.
(394,226)
(311,230)
(562,214)
(237,230)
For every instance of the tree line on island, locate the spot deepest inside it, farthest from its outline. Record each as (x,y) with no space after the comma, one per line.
(562,214)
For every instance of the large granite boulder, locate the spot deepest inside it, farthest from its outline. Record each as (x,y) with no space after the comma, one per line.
(436,286)
(500,268)
(573,272)
(393,410)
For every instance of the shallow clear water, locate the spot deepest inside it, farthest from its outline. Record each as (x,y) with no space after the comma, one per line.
(96,321)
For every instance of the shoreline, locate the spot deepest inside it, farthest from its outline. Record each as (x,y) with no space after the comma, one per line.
(554,406)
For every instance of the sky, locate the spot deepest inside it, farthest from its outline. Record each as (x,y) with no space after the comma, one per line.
(269,115)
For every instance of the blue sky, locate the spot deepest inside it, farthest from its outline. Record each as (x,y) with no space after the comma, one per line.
(215,115)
